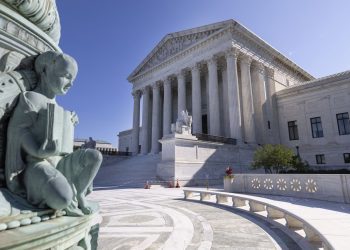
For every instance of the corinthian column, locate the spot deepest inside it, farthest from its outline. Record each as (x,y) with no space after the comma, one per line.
(247,100)
(196,99)
(214,119)
(167,107)
(234,106)
(145,121)
(155,119)
(136,123)
(181,92)
(272,114)
(258,90)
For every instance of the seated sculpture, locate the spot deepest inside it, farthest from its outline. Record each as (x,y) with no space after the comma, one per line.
(39,166)
(183,123)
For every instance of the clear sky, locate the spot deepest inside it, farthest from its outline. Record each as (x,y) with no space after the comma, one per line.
(109,38)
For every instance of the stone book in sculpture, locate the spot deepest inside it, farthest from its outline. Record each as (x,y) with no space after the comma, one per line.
(60,128)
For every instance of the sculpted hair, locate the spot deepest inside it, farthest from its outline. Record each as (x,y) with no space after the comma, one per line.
(49,59)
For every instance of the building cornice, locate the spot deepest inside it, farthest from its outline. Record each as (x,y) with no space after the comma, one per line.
(327,81)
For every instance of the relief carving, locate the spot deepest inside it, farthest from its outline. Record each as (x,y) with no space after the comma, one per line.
(173,46)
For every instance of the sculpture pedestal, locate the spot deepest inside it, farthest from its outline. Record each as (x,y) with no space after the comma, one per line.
(23,226)
(196,162)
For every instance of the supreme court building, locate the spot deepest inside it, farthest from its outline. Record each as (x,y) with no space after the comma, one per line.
(235,85)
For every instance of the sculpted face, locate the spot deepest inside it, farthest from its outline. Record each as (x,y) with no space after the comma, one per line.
(60,76)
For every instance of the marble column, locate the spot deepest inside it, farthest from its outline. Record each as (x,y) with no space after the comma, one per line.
(145,120)
(196,100)
(259,97)
(271,104)
(233,99)
(214,119)
(136,123)
(155,118)
(247,100)
(181,92)
(167,103)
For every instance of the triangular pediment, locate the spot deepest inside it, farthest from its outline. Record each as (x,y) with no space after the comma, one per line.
(174,43)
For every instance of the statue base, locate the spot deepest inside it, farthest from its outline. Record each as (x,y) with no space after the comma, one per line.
(23,226)
(195,162)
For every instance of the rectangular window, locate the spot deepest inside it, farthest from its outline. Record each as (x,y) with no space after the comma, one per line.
(346,157)
(320,159)
(343,123)
(316,127)
(293,130)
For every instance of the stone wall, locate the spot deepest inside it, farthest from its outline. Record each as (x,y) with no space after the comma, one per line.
(324,98)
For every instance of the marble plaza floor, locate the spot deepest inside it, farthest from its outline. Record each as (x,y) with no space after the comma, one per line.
(160,219)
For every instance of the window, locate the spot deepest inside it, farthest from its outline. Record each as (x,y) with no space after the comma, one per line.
(316,127)
(293,130)
(346,157)
(320,159)
(268,125)
(343,123)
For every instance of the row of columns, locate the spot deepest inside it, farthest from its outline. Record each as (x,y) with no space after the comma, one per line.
(253,90)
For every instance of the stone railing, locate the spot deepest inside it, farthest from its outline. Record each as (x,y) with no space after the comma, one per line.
(328,187)
(295,223)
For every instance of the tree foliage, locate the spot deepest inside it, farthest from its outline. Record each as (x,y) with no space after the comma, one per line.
(277,159)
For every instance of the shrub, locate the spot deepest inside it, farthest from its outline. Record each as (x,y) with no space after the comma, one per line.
(274,158)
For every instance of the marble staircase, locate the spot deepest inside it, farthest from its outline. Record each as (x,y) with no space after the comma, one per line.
(131,172)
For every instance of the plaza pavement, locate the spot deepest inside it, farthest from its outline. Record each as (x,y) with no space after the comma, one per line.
(159,218)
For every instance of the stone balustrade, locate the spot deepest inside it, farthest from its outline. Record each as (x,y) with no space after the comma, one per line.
(328,187)
(294,220)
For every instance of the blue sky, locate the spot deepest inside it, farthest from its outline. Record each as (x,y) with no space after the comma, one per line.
(109,38)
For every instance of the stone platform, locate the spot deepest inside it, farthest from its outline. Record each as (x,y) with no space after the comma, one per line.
(161,219)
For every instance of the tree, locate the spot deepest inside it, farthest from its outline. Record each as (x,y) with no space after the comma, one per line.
(273,158)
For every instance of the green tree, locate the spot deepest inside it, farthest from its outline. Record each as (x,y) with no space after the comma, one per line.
(273,158)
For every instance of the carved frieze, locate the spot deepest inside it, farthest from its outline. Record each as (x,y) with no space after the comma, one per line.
(174,45)
(12,29)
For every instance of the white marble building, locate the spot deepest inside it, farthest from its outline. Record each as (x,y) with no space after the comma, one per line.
(226,77)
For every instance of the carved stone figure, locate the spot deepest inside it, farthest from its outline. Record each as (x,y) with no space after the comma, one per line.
(183,123)
(89,144)
(40,162)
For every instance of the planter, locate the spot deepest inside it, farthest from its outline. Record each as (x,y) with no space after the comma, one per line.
(228,180)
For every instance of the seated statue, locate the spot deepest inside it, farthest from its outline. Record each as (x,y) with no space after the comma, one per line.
(40,163)
(183,123)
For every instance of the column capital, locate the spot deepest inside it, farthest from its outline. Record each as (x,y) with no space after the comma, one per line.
(136,93)
(166,80)
(258,65)
(212,61)
(155,85)
(145,90)
(232,53)
(196,67)
(245,59)
(270,72)
(180,75)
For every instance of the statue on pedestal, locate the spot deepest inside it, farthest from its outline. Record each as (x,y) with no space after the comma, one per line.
(183,124)
(89,144)
(40,163)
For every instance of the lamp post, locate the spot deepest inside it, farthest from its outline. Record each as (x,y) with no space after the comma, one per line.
(298,154)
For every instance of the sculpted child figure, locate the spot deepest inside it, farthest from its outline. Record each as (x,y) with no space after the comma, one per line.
(35,166)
